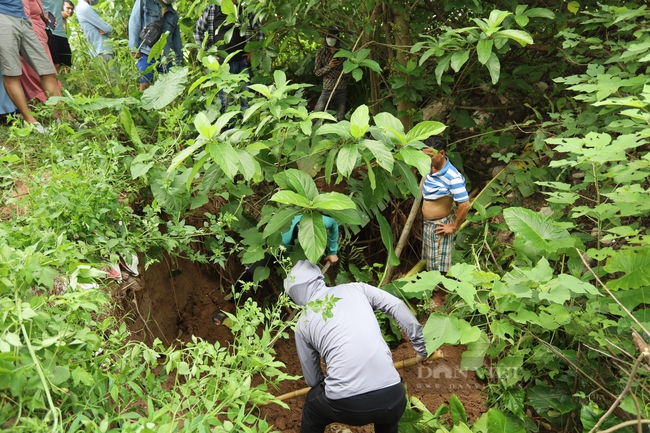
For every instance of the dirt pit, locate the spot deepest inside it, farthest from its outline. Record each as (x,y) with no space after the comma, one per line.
(178,297)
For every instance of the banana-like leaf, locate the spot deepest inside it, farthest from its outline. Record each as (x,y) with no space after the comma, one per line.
(536,229)
(167,87)
(636,268)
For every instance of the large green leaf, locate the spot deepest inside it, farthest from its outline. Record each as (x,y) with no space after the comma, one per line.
(167,87)
(536,229)
(484,50)
(516,35)
(359,121)
(340,129)
(416,158)
(247,165)
(347,159)
(635,265)
(466,290)
(224,155)
(348,216)
(474,357)
(441,329)
(390,124)
(298,181)
(590,414)
(312,235)
(280,220)
(408,178)
(544,398)
(333,201)
(499,422)
(182,155)
(292,198)
(540,13)
(443,65)
(422,285)
(494,67)
(424,130)
(457,410)
(458,59)
(59,374)
(387,239)
(381,153)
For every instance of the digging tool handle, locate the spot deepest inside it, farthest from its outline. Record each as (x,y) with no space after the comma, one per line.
(398,365)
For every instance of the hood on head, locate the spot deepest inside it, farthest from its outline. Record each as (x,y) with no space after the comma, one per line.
(303,282)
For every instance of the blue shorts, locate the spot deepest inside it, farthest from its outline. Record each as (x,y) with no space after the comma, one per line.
(144,64)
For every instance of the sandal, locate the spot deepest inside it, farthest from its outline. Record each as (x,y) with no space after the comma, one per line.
(218,318)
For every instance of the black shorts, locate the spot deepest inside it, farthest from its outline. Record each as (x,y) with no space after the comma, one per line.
(60,50)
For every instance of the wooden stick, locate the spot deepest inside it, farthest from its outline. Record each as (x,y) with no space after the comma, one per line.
(406,231)
(398,366)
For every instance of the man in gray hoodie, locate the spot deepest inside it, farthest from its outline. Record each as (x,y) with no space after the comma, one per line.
(362,385)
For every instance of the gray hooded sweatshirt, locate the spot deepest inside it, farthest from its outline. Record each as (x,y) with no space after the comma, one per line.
(357,357)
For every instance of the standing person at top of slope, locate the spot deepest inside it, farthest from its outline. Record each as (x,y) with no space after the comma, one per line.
(18,38)
(443,186)
(143,13)
(330,69)
(362,385)
(30,81)
(97,30)
(58,39)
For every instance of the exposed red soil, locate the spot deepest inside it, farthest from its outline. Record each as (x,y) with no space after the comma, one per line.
(178,297)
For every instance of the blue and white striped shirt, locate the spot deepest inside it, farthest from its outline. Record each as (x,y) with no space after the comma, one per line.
(446,182)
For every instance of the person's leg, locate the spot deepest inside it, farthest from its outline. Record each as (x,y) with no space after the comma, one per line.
(395,399)
(241,66)
(65,52)
(444,248)
(15,92)
(338,103)
(52,44)
(143,66)
(383,407)
(32,51)
(10,48)
(322,100)
(316,413)
(428,245)
(50,84)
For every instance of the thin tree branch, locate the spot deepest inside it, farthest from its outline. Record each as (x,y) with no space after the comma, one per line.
(634,319)
(625,424)
(618,400)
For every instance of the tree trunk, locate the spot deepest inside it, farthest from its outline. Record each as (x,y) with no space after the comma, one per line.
(368,37)
(402,37)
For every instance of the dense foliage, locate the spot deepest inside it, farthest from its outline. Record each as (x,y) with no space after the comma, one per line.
(557,92)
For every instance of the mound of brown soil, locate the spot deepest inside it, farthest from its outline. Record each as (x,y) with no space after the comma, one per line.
(178,297)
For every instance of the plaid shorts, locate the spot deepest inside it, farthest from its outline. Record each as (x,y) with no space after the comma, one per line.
(436,249)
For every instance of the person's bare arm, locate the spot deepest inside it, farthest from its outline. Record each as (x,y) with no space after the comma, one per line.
(461,214)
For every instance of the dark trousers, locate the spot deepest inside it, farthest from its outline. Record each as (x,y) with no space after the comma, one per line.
(383,407)
(337,103)
(238,65)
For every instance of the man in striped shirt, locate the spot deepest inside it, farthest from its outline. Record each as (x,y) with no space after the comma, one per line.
(443,186)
